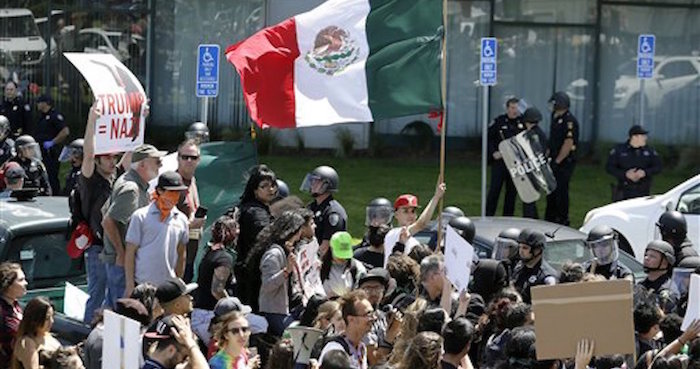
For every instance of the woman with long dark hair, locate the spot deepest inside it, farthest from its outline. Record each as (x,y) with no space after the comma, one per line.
(254,207)
(13,285)
(34,334)
(271,264)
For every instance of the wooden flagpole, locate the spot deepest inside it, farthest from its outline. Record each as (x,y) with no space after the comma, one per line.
(443,118)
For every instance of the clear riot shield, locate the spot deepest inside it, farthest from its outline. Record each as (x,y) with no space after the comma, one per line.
(527,164)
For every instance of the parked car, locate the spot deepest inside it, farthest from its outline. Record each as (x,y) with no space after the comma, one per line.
(564,243)
(33,234)
(20,41)
(98,40)
(635,219)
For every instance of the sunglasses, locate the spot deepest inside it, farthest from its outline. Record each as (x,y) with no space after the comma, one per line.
(237,330)
(189,157)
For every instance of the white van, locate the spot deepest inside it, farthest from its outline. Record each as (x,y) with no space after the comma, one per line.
(20,40)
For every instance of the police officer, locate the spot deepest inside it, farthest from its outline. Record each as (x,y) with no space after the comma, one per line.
(198,131)
(464,227)
(503,127)
(448,213)
(563,139)
(29,157)
(7,146)
(506,248)
(72,153)
(16,110)
(51,131)
(603,243)
(532,118)
(674,230)
(329,215)
(659,259)
(378,215)
(633,164)
(532,269)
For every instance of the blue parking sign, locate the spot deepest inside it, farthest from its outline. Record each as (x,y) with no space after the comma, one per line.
(646,47)
(207,71)
(488,71)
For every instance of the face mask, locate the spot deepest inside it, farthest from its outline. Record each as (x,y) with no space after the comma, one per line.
(165,202)
(376,237)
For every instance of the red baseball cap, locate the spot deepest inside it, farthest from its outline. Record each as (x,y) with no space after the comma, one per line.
(406,200)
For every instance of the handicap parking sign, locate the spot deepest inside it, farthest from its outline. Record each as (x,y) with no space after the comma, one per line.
(645,56)
(207,71)
(488,70)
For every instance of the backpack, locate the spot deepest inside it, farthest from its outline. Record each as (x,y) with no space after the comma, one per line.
(320,344)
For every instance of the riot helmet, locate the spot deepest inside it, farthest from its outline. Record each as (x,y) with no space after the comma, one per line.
(73,149)
(673,227)
(532,115)
(282,189)
(602,241)
(321,180)
(559,101)
(4,127)
(378,212)
(665,249)
(535,240)
(198,131)
(506,246)
(27,147)
(465,227)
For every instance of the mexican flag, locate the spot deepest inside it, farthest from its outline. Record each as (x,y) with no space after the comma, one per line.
(344,61)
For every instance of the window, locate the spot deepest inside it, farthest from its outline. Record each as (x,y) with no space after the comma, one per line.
(689,202)
(677,69)
(44,260)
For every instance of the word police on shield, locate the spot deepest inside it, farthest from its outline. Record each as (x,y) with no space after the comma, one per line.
(120,97)
(527,164)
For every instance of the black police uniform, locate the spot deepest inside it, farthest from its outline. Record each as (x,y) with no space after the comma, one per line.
(19,113)
(624,157)
(36,175)
(47,129)
(610,271)
(524,277)
(329,216)
(6,151)
(685,250)
(662,289)
(502,128)
(563,127)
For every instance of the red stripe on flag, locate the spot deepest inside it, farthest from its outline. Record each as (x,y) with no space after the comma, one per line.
(265,63)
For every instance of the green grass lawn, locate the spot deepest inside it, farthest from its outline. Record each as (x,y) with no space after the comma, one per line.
(362,179)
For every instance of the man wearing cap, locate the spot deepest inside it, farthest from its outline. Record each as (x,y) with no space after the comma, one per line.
(401,237)
(175,296)
(169,342)
(532,269)
(51,131)
(633,164)
(130,193)
(13,176)
(387,322)
(157,236)
(563,140)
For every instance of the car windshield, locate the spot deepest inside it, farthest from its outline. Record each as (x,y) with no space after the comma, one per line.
(557,253)
(22,26)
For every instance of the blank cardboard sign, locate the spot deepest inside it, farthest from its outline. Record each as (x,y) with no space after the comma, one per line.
(567,313)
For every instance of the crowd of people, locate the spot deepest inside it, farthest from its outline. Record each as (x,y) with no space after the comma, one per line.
(382,302)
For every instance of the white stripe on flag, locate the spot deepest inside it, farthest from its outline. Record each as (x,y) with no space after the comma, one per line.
(320,98)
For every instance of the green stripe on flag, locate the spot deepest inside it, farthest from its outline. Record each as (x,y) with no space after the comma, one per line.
(403,67)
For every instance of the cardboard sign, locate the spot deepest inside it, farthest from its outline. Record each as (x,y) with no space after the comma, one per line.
(121,99)
(693,311)
(567,313)
(122,342)
(310,270)
(458,259)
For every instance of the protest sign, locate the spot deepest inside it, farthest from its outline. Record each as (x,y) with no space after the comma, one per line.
(120,97)
(568,313)
(458,259)
(524,156)
(693,311)
(390,240)
(121,347)
(303,340)
(310,270)
(74,300)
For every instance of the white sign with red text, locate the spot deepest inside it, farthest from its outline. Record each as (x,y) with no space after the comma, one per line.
(120,97)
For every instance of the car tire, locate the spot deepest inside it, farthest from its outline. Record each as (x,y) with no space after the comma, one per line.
(624,244)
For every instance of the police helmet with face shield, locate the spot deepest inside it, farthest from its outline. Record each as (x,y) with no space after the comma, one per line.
(4,127)
(198,131)
(602,241)
(27,147)
(379,212)
(464,227)
(325,174)
(73,149)
(506,246)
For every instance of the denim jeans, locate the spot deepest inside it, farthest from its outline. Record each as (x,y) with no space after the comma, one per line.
(96,281)
(116,284)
